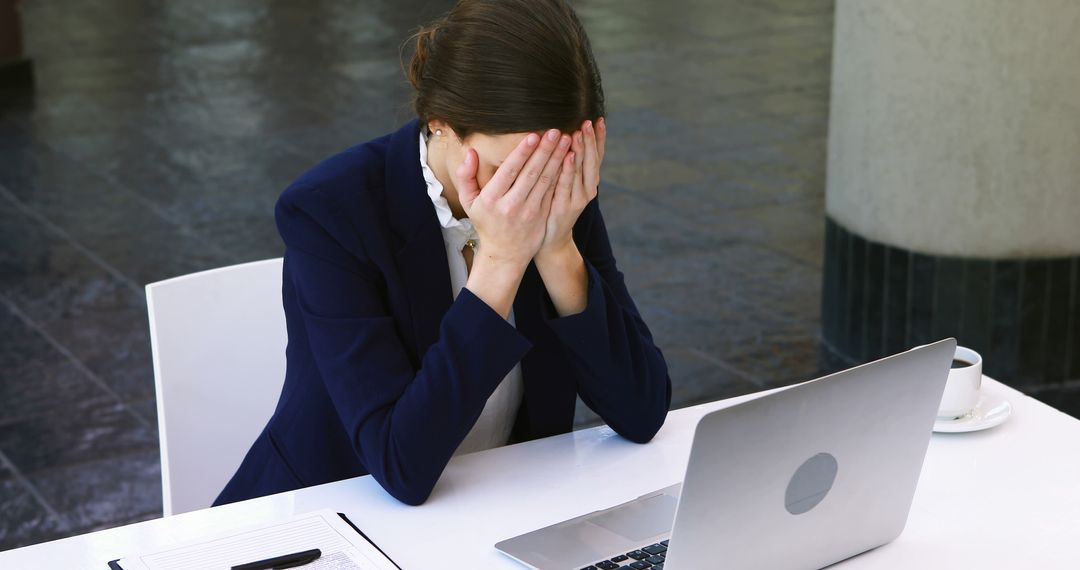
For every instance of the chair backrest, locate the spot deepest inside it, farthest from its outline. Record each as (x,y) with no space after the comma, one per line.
(218,340)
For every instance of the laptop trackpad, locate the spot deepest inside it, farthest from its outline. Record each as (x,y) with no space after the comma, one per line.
(639,520)
(581,540)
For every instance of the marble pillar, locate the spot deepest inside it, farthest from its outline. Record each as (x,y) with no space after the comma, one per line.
(953,193)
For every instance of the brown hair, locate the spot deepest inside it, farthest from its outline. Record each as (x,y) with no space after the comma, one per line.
(506,66)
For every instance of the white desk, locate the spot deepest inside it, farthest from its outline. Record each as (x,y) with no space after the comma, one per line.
(1008,497)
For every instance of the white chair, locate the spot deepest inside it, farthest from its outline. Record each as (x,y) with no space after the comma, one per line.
(218,340)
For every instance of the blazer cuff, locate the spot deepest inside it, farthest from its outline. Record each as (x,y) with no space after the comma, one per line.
(581,330)
(471,318)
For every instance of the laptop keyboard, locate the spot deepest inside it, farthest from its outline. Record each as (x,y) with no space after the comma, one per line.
(651,556)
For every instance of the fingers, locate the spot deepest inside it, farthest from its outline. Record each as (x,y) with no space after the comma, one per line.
(592,157)
(601,137)
(547,200)
(507,173)
(564,188)
(579,162)
(550,175)
(534,167)
(467,187)
(579,150)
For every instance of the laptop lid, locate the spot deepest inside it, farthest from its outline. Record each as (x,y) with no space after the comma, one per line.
(811,475)
(856,440)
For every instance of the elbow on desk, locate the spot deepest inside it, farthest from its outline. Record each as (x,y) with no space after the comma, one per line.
(640,419)
(637,436)
(644,431)
(410,482)
(413,497)
(412,492)
(639,431)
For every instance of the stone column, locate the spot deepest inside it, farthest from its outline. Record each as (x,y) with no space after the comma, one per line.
(953,194)
(15,68)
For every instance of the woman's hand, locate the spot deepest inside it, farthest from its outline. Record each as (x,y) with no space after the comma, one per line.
(511,211)
(510,214)
(577,186)
(561,266)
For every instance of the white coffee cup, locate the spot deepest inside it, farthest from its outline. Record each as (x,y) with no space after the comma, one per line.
(962,388)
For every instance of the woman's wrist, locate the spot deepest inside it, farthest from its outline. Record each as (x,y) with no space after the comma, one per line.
(495,280)
(558,254)
(564,275)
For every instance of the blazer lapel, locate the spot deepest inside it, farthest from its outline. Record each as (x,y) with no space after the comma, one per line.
(421,256)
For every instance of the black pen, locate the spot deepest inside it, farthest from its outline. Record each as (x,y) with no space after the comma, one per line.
(286,561)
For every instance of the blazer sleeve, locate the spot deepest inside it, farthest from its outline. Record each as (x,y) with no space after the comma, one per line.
(622,375)
(404,424)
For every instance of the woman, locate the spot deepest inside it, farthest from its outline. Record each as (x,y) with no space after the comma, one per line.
(449,287)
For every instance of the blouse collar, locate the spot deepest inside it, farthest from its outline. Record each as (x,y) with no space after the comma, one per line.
(435,190)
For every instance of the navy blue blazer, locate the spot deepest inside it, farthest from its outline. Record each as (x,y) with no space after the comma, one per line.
(387,372)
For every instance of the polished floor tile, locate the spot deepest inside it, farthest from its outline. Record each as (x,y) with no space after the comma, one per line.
(36,379)
(25,520)
(85,431)
(94,494)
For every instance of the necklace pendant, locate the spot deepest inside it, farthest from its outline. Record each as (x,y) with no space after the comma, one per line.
(471,244)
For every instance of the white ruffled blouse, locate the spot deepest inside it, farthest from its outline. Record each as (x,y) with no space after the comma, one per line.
(493,427)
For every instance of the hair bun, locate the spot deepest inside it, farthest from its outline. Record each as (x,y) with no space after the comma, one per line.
(425,40)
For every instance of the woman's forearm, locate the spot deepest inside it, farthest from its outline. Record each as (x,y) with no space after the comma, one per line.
(565,278)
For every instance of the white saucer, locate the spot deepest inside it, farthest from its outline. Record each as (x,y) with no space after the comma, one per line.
(991,410)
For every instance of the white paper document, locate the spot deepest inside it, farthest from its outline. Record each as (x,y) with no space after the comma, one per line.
(342,547)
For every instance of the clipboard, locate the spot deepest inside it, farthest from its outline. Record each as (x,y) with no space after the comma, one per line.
(361,551)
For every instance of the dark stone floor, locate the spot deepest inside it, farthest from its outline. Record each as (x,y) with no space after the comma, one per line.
(160,134)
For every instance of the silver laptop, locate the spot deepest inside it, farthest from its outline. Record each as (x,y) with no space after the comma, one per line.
(800,478)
